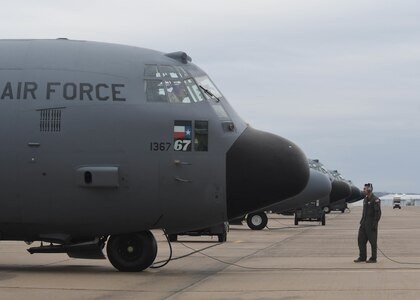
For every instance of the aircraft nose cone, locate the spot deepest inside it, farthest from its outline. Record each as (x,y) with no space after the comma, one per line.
(318,186)
(355,195)
(340,190)
(262,169)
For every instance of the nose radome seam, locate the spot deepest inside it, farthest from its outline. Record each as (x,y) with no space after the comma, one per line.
(263,169)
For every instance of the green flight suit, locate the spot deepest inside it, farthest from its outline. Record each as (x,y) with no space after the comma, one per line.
(368,230)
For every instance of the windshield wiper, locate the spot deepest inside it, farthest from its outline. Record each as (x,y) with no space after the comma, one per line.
(209,93)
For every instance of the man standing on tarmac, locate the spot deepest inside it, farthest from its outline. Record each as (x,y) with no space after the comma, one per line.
(368,230)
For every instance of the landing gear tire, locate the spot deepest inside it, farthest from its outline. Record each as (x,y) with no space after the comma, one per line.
(223,236)
(327,209)
(323,220)
(132,252)
(257,221)
(296,220)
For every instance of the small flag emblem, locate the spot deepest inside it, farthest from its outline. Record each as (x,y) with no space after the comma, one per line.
(182,132)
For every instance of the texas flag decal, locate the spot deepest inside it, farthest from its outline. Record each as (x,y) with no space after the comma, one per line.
(182,132)
(182,135)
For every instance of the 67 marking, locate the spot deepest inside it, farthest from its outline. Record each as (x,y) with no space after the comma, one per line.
(182,145)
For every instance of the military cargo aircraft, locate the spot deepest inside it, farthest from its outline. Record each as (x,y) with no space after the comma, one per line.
(340,191)
(319,186)
(100,143)
(340,187)
(355,195)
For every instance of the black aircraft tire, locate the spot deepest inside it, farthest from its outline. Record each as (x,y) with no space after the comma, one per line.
(296,220)
(327,209)
(222,237)
(132,252)
(323,220)
(257,221)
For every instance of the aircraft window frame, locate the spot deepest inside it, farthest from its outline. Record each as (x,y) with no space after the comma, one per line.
(182,72)
(168,76)
(194,90)
(153,94)
(201,136)
(197,74)
(176,90)
(205,82)
(317,167)
(169,72)
(149,73)
(194,71)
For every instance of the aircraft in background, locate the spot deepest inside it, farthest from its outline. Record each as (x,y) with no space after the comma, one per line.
(355,195)
(339,190)
(102,143)
(342,192)
(319,186)
(344,189)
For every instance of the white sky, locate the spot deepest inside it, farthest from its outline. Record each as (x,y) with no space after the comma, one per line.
(339,78)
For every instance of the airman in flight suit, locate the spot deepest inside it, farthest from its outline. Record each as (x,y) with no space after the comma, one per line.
(368,230)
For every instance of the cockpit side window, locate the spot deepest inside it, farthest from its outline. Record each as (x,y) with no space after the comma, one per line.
(155,91)
(151,71)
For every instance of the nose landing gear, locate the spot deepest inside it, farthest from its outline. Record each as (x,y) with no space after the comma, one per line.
(132,252)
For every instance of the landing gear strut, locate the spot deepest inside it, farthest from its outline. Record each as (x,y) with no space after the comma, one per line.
(132,252)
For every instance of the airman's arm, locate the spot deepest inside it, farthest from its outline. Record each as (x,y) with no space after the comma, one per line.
(377,207)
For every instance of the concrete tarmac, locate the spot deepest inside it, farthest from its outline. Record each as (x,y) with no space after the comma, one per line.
(308,261)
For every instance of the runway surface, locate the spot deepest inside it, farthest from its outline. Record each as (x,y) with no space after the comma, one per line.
(308,261)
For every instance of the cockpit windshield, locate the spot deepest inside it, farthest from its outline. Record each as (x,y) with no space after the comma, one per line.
(316,165)
(208,87)
(176,84)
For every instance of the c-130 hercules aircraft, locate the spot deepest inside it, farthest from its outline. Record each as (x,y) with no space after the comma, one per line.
(100,143)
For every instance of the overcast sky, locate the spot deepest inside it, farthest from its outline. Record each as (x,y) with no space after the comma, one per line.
(339,78)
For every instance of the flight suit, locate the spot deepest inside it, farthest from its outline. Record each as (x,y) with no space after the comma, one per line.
(368,230)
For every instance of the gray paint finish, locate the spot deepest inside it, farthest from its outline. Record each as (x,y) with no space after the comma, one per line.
(85,155)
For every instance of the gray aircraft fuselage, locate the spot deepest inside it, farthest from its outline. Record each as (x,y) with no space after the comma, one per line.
(100,139)
(340,188)
(319,186)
